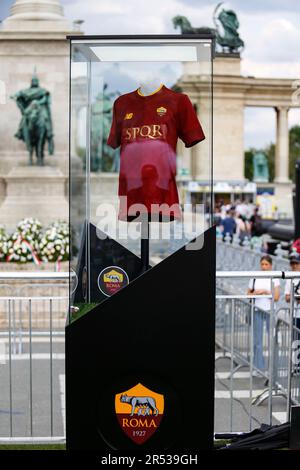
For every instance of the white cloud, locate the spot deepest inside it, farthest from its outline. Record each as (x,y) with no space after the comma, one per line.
(284,69)
(275,41)
(254,6)
(259,127)
(294,117)
(106,7)
(269,28)
(134,16)
(271,38)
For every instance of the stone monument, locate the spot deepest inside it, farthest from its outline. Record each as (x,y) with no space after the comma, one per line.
(233,92)
(32,38)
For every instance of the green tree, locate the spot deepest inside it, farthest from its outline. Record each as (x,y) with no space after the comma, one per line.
(249,164)
(269,150)
(294,150)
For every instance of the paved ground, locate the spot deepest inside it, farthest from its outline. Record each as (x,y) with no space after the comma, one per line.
(41,398)
(241,409)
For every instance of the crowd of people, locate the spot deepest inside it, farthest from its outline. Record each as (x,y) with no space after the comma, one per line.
(241,218)
(262,289)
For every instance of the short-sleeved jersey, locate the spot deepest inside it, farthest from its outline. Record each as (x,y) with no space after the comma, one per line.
(147,129)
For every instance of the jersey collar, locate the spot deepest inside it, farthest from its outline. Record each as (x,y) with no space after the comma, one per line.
(139,93)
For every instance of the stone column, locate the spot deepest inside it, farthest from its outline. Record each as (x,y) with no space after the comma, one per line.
(282,146)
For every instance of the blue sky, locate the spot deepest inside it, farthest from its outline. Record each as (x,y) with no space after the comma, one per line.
(270,29)
(4,8)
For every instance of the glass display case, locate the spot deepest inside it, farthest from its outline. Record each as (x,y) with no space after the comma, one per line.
(140,157)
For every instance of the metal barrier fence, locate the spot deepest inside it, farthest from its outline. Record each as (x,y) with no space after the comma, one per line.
(32,353)
(233,256)
(240,326)
(33,308)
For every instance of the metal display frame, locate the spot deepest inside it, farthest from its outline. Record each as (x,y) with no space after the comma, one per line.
(101,344)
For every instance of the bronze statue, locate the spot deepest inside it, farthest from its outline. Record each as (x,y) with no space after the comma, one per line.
(35,127)
(260,168)
(103,157)
(230,41)
(186,28)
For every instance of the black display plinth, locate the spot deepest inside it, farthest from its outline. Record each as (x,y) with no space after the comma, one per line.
(159,332)
(104,252)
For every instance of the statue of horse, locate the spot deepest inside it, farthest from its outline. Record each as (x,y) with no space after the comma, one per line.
(186,28)
(37,132)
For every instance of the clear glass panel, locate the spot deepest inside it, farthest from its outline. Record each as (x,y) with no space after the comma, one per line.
(78,177)
(141,160)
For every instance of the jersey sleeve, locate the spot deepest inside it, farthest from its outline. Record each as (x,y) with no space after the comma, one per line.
(190,130)
(114,138)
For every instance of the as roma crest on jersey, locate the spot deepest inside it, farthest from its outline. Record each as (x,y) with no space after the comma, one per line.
(161,111)
(128,116)
(139,412)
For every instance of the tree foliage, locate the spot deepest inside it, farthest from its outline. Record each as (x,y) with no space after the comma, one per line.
(294,150)
(269,150)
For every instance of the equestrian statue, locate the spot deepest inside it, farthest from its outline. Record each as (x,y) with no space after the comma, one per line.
(35,128)
(229,40)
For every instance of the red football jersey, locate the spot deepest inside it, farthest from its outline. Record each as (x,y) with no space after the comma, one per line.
(147,129)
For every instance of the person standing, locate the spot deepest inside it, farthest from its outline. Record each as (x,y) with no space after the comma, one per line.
(256,223)
(229,226)
(242,208)
(243,229)
(262,310)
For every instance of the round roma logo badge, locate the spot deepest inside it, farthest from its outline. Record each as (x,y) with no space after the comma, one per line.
(111,280)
